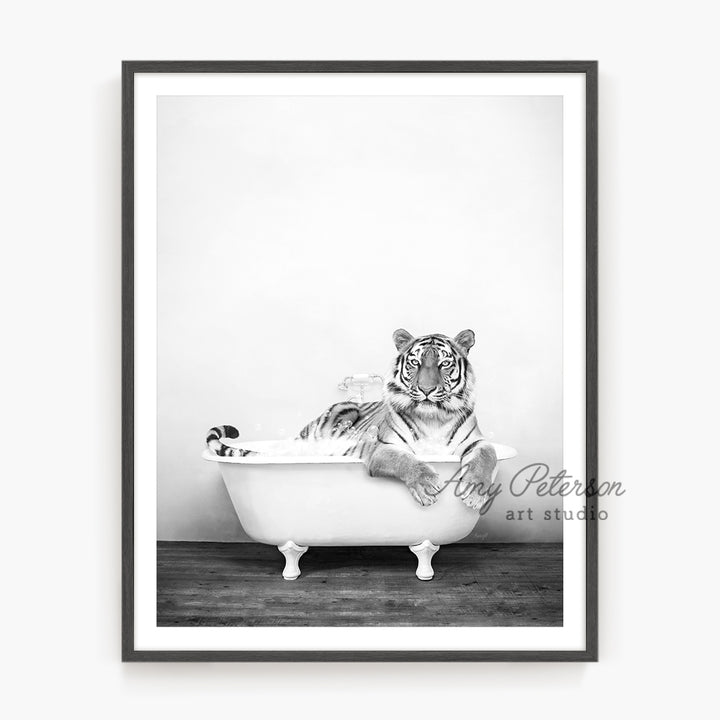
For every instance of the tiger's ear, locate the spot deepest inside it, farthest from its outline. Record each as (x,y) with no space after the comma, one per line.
(402,338)
(465,339)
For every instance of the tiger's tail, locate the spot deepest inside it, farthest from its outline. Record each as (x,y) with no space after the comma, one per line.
(215,442)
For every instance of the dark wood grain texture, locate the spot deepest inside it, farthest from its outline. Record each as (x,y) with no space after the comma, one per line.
(129,70)
(240,584)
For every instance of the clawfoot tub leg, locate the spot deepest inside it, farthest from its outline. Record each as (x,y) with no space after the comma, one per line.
(425,551)
(292,553)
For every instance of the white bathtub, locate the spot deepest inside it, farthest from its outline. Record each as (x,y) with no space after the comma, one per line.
(297,502)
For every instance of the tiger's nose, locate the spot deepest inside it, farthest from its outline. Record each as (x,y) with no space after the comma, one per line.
(429,375)
(427,382)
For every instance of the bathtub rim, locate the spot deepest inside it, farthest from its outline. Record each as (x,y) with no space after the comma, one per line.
(504,452)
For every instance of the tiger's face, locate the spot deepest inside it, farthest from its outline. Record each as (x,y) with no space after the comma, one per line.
(431,375)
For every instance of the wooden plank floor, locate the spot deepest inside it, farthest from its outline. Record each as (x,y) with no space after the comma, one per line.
(240,584)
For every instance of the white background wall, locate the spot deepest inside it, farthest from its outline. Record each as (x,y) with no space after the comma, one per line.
(60,229)
(295,234)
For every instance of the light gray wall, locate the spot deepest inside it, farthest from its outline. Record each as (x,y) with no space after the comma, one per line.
(295,234)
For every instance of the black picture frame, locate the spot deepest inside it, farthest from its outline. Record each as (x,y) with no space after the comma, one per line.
(129,69)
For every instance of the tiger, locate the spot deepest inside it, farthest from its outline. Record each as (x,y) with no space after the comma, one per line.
(428,398)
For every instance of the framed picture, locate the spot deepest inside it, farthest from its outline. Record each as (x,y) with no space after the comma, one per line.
(359,361)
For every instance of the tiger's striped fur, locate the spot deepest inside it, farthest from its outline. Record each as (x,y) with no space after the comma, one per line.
(215,437)
(428,398)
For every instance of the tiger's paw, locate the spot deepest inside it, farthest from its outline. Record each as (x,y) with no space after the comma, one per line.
(423,484)
(474,499)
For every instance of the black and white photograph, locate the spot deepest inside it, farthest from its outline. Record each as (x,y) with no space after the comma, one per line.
(363,302)
(359,359)
(360,313)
